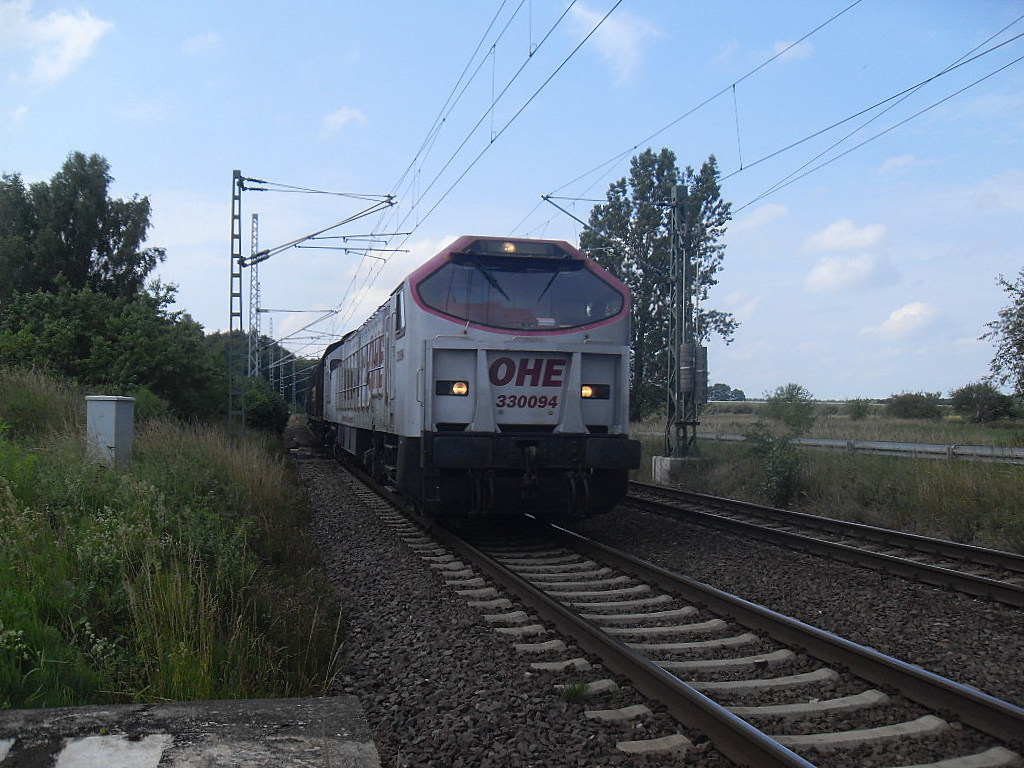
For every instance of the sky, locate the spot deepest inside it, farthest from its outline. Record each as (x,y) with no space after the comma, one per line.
(872,151)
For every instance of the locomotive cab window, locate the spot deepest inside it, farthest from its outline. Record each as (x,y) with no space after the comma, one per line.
(399,314)
(520,293)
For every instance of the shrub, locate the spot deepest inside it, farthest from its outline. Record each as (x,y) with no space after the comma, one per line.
(858,408)
(982,402)
(914,405)
(264,407)
(792,405)
(780,463)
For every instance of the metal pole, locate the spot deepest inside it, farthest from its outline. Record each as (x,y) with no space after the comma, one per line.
(254,298)
(236,330)
(683,368)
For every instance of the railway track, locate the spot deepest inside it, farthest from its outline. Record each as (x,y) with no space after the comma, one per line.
(766,689)
(977,571)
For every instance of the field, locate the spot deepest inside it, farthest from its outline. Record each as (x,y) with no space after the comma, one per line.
(186,576)
(973,502)
(950,430)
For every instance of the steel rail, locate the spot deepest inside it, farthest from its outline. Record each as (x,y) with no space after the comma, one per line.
(732,736)
(1010,561)
(980,710)
(969,583)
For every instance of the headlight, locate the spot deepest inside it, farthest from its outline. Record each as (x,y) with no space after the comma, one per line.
(456,388)
(595,391)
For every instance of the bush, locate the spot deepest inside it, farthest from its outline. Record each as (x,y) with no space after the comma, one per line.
(982,402)
(914,405)
(780,462)
(792,405)
(264,407)
(858,408)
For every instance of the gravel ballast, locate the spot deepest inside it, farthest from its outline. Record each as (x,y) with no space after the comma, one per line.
(441,687)
(970,640)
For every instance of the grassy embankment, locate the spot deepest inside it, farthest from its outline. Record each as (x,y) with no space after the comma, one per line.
(973,502)
(186,576)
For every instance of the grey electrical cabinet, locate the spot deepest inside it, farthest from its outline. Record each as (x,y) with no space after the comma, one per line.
(110,428)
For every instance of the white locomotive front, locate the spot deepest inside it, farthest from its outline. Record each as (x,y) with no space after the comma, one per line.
(495,378)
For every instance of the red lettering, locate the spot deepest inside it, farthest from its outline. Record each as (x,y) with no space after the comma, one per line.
(553,370)
(543,372)
(501,371)
(525,369)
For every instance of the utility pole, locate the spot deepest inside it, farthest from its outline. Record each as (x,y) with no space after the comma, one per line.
(688,368)
(236,331)
(254,299)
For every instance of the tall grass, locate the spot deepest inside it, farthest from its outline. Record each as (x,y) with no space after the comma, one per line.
(972,502)
(950,430)
(186,576)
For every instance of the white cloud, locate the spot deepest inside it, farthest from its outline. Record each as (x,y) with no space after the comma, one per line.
(727,53)
(206,41)
(797,52)
(902,161)
(1004,193)
(842,235)
(835,273)
(339,118)
(742,304)
(58,41)
(18,113)
(905,321)
(619,39)
(759,217)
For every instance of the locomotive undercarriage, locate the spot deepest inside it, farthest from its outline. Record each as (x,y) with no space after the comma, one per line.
(556,475)
(466,474)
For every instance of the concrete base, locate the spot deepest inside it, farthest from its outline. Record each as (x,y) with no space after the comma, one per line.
(284,733)
(670,470)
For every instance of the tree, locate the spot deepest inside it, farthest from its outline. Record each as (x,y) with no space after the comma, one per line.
(858,408)
(981,402)
(1007,332)
(725,393)
(914,405)
(70,232)
(121,344)
(629,236)
(793,405)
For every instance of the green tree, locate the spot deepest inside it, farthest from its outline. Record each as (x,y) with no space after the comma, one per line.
(914,405)
(629,236)
(1008,334)
(981,402)
(70,232)
(725,393)
(858,408)
(781,464)
(119,343)
(793,405)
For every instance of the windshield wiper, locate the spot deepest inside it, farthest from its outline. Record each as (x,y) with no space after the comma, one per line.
(554,274)
(492,281)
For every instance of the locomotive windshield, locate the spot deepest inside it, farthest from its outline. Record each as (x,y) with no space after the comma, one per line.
(520,293)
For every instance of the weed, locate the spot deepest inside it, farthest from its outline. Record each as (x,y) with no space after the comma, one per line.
(574,692)
(185,576)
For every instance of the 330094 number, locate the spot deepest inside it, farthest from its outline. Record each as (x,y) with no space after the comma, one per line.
(527,401)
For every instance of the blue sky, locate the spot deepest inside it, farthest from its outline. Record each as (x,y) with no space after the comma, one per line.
(872,274)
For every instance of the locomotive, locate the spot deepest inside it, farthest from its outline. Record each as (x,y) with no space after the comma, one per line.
(493,379)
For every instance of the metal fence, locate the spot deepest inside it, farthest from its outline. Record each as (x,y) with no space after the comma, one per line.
(907,450)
